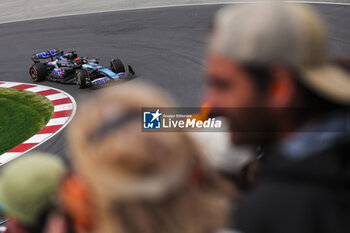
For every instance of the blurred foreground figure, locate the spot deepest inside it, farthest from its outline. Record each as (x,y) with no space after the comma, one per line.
(29,190)
(267,66)
(129,181)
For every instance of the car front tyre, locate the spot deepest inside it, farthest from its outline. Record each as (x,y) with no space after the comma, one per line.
(117,66)
(81,77)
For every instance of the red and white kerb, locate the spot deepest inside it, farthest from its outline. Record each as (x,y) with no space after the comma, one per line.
(64,110)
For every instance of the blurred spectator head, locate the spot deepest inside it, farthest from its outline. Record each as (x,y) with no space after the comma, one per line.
(342,62)
(271,55)
(28,191)
(136,181)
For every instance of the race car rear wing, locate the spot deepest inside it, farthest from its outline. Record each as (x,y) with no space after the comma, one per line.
(51,54)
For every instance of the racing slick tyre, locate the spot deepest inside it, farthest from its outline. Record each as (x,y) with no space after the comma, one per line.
(117,66)
(81,78)
(38,72)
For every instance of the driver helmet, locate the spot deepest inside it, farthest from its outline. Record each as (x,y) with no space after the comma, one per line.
(78,61)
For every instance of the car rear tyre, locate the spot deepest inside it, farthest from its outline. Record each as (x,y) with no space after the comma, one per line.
(117,66)
(38,72)
(81,78)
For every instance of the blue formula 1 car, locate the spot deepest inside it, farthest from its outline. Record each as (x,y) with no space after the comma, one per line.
(57,66)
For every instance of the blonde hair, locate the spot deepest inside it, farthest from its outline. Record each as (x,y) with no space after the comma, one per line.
(139,181)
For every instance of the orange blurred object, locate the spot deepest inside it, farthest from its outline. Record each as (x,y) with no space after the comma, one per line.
(77,203)
(203,114)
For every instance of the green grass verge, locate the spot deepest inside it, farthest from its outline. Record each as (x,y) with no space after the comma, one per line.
(22,115)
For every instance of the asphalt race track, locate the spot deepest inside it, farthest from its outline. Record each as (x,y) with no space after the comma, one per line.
(164,45)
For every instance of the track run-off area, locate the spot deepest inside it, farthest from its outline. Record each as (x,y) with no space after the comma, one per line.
(64,108)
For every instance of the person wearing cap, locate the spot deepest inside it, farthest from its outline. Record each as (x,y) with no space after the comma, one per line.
(268,67)
(29,190)
(129,181)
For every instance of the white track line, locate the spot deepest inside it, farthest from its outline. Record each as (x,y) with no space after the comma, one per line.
(63,107)
(37,89)
(38,138)
(8,85)
(7,157)
(172,6)
(56,96)
(57,121)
